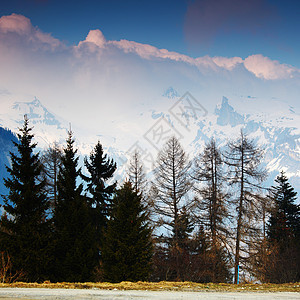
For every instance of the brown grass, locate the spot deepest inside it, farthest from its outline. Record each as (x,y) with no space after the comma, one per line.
(164,285)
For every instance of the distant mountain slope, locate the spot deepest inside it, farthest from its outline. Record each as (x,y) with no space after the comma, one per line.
(275,128)
(6,145)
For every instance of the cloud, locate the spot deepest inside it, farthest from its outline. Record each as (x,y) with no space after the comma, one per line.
(95,37)
(227,63)
(19,29)
(100,82)
(15,23)
(265,68)
(17,26)
(206,19)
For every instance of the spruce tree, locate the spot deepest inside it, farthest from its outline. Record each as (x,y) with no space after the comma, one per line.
(24,226)
(74,243)
(101,169)
(284,223)
(283,231)
(127,250)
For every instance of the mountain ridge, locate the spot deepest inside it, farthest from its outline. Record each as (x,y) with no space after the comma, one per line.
(277,133)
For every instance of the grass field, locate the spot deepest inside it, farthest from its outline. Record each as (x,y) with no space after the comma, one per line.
(164,286)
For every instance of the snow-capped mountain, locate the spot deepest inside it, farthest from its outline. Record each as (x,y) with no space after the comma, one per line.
(277,131)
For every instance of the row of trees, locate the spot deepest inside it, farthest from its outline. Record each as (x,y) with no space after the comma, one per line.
(194,221)
(56,228)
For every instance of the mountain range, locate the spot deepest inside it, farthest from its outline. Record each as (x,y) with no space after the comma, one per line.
(275,129)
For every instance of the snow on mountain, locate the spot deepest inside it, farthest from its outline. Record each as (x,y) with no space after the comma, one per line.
(276,130)
(227,115)
(171,93)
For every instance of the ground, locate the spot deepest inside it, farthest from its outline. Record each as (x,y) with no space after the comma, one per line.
(146,290)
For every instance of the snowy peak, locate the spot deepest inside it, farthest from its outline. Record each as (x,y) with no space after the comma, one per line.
(36,112)
(227,115)
(170,93)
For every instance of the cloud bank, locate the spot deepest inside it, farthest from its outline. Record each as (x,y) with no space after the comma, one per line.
(100,81)
(17,27)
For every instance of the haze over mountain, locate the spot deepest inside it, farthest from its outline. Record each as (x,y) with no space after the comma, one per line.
(118,91)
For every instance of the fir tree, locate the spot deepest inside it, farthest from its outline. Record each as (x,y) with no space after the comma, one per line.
(101,169)
(127,250)
(284,223)
(24,226)
(180,251)
(74,244)
(283,232)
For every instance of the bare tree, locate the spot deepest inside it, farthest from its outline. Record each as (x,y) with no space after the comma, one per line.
(136,173)
(170,186)
(137,177)
(211,200)
(243,158)
(7,275)
(51,160)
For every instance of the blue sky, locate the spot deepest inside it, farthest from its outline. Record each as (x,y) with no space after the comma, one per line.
(195,28)
(104,66)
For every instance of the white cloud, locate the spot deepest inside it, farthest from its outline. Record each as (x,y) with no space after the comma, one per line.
(95,37)
(265,68)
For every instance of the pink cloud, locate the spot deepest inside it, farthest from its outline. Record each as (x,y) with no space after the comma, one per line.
(15,23)
(95,37)
(20,25)
(19,28)
(264,67)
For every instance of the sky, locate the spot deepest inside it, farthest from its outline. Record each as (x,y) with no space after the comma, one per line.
(196,28)
(105,66)
(83,59)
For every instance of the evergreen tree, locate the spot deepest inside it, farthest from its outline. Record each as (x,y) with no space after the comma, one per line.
(284,223)
(180,252)
(74,245)
(101,169)
(243,158)
(284,233)
(127,250)
(24,226)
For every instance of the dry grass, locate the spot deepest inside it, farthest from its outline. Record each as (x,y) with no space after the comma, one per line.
(164,286)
